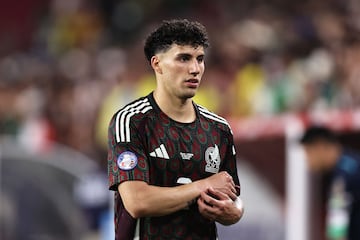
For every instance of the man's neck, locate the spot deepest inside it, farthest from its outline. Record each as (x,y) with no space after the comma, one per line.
(180,110)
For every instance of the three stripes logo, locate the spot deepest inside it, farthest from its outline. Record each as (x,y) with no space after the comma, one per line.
(206,113)
(123,118)
(160,152)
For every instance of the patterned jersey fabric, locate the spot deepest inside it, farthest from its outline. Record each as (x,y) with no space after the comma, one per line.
(146,145)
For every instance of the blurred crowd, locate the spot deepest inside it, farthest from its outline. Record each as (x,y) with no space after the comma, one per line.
(83,60)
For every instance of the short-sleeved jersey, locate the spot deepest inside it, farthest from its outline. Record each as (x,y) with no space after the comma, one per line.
(146,145)
(347,170)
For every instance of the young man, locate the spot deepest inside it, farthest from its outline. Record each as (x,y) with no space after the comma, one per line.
(341,169)
(171,162)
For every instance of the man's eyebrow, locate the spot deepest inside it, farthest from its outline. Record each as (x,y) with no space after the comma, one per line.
(189,55)
(184,54)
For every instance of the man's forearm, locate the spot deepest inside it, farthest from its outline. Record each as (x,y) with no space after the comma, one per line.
(141,199)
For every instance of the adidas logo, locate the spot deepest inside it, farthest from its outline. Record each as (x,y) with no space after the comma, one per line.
(160,152)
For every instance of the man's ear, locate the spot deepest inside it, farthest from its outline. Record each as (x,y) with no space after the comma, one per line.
(155,64)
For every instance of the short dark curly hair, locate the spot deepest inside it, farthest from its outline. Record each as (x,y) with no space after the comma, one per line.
(316,134)
(178,31)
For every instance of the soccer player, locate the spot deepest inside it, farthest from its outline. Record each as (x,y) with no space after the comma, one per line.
(171,162)
(326,155)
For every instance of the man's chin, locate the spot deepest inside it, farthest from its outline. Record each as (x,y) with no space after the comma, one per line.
(188,95)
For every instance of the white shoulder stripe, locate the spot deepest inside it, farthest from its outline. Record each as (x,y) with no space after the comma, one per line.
(117,125)
(122,122)
(204,110)
(214,118)
(125,121)
(212,115)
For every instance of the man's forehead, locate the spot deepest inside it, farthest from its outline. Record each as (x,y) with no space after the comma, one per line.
(316,145)
(188,49)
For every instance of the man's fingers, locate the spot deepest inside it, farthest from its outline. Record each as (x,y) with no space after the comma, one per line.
(205,210)
(232,196)
(230,192)
(229,178)
(233,189)
(223,195)
(209,200)
(218,194)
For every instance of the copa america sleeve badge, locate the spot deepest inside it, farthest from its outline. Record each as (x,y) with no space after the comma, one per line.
(127,160)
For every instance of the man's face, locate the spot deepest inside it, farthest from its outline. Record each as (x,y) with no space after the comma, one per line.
(319,155)
(181,69)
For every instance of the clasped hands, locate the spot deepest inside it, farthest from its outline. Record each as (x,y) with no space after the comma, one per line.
(219,202)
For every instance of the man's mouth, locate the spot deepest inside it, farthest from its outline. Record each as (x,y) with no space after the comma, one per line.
(193,80)
(192,83)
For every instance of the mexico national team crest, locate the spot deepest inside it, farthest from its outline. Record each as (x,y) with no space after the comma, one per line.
(212,158)
(127,160)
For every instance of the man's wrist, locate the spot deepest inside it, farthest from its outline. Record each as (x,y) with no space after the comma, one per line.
(191,202)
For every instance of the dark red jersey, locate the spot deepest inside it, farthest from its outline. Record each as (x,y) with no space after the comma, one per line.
(146,145)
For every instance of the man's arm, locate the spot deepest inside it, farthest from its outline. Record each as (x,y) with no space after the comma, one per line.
(141,199)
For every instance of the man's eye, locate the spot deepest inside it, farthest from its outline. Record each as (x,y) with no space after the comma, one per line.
(200,59)
(184,58)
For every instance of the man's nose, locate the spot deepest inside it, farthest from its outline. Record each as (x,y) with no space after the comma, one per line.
(194,67)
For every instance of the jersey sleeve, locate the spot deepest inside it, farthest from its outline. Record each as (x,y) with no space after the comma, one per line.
(127,160)
(229,164)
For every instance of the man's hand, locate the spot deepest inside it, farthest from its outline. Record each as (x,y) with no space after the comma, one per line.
(218,206)
(222,182)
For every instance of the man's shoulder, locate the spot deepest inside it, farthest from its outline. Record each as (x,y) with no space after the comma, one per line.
(213,118)
(129,117)
(140,105)
(349,163)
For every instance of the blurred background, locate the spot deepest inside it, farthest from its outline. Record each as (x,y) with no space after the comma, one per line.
(66,66)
